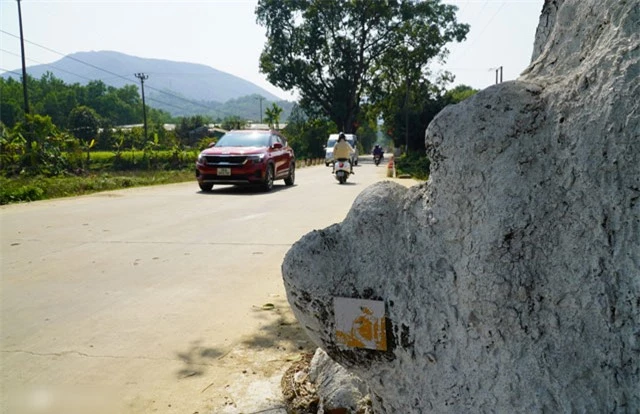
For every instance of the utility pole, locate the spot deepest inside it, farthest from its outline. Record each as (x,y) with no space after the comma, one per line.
(261,99)
(30,134)
(406,116)
(498,70)
(142,78)
(24,67)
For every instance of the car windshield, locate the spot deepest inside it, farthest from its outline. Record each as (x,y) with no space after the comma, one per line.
(255,139)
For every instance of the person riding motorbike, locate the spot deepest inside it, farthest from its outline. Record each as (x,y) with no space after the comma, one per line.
(342,151)
(377,150)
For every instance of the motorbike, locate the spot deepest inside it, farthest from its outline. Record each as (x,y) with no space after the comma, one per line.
(377,158)
(342,170)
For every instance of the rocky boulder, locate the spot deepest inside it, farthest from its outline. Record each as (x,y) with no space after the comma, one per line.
(510,282)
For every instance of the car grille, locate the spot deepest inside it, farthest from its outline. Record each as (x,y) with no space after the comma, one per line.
(225,160)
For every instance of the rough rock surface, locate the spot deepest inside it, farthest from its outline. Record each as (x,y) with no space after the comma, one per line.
(511,280)
(338,389)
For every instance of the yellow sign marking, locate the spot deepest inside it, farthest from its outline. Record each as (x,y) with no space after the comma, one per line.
(360,323)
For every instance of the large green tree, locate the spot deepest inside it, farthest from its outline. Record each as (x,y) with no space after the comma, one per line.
(84,123)
(332,51)
(307,135)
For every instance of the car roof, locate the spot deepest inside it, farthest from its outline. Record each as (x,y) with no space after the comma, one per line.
(252,131)
(335,136)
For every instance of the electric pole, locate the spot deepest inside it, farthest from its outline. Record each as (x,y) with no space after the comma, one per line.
(24,67)
(142,78)
(261,99)
(498,70)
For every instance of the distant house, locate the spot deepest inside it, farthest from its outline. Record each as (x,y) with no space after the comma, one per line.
(266,126)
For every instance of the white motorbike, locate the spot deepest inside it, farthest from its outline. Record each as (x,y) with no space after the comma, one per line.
(342,170)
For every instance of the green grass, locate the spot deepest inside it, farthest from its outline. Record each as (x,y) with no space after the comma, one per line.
(139,160)
(14,190)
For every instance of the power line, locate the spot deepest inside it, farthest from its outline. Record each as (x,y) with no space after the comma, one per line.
(488,22)
(79,76)
(10,71)
(112,73)
(45,64)
(479,35)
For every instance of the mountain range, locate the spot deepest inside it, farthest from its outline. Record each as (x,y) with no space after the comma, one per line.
(179,88)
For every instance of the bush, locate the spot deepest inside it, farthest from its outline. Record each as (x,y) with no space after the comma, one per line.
(11,193)
(414,164)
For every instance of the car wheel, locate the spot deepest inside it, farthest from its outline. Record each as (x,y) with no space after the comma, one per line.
(267,184)
(206,186)
(292,175)
(326,164)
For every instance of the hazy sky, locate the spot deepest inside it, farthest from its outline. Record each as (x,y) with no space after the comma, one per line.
(224,34)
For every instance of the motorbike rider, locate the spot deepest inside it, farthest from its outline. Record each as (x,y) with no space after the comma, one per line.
(377,150)
(342,151)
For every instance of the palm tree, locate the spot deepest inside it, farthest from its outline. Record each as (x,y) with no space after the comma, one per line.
(272,115)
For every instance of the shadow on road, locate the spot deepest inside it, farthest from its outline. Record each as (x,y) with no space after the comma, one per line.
(278,331)
(281,330)
(243,190)
(197,358)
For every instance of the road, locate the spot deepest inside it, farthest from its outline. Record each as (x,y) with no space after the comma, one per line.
(157,299)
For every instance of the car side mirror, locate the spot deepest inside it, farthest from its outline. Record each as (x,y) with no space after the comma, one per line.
(277,145)
(211,145)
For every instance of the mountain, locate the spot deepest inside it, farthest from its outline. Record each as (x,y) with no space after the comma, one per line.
(180,88)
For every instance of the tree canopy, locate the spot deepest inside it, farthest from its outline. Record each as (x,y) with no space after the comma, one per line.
(50,96)
(335,52)
(84,123)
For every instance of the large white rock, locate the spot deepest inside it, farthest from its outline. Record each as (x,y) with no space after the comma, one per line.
(511,280)
(338,389)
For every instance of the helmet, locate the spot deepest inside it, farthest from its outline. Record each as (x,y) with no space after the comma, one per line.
(342,136)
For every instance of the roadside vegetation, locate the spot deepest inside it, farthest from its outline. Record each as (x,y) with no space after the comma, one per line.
(74,139)
(414,164)
(42,187)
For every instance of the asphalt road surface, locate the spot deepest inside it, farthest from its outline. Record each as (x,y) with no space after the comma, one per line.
(157,299)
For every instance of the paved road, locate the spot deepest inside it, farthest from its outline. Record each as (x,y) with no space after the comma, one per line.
(157,299)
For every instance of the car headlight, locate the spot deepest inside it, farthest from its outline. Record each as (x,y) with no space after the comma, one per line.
(256,159)
(202,158)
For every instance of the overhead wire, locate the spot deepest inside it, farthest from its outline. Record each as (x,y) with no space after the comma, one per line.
(45,64)
(476,37)
(10,71)
(115,75)
(153,99)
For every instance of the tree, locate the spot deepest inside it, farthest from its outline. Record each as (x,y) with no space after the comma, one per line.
(11,102)
(459,94)
(272,116)
(331,51)
(307,135)
(233,122)
(84,123)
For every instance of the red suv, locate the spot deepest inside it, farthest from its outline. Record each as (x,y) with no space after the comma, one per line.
(247,157)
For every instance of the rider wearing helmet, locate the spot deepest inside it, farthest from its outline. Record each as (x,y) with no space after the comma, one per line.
(377,150)
(342,150)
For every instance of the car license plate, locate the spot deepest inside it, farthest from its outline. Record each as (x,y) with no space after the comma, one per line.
(224,171)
